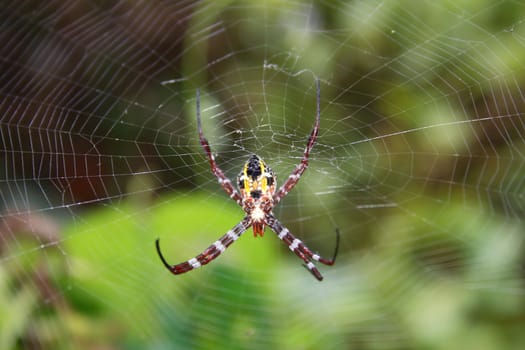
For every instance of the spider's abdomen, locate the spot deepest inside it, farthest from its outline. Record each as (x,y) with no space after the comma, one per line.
(257,186)
(254,167)
(256,179)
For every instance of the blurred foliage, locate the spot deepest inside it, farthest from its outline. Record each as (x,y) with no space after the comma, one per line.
(431,291)
(106,293)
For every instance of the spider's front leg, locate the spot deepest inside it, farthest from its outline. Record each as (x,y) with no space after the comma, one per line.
(301,167)
(299,248)
(212,252)
(223,180)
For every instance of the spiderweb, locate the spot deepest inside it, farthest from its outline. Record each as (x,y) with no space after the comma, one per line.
(419,163)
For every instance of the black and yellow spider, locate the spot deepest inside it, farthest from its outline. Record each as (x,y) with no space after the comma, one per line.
(257,198)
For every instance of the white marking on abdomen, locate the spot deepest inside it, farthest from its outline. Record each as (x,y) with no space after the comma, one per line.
(257,214)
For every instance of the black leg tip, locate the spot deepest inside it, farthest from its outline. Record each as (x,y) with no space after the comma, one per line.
(157,244)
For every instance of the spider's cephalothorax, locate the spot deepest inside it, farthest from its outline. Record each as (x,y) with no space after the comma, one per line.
(257,186)
(257,197)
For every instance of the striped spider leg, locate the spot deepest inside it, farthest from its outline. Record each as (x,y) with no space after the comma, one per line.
(211,252)
(257,197)
(301,167)
(219,174)
(300,249)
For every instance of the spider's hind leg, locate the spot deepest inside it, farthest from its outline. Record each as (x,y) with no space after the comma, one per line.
(210,253)
(313,270)
(299,248)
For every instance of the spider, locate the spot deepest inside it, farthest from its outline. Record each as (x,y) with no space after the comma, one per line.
(257,197)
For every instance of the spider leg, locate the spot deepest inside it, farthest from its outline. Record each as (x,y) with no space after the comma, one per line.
(212,252)
(299,248)
(223,180)
(301,167)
